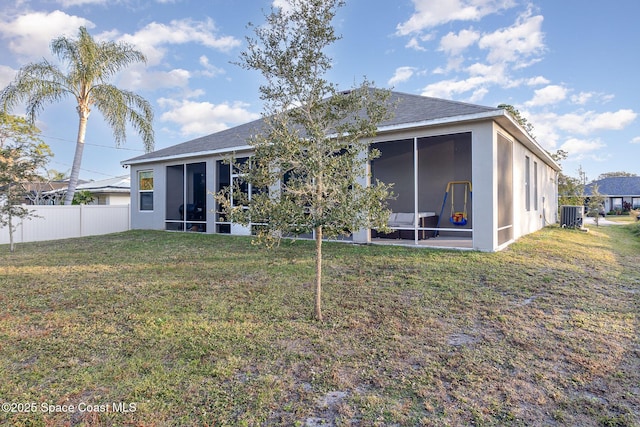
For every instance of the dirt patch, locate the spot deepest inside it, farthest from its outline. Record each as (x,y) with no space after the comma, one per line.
(328,403)
(462,340)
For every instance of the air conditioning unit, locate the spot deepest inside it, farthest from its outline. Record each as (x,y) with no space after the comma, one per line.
(571,216)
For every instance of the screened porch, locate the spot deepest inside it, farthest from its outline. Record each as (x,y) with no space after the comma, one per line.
(432,203)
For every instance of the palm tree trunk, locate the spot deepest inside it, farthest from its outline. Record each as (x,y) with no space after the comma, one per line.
(77,158)
(318,305)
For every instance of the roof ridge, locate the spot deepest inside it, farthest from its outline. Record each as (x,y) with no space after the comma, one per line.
(469,104)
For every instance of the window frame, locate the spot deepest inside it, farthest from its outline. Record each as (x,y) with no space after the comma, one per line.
(535,185)
(145,191)
(527,183)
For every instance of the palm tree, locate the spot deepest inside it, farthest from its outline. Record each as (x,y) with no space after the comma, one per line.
(90,65)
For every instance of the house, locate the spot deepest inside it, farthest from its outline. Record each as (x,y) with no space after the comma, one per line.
(42,193)
(110,191)
(505,183)
(621,192)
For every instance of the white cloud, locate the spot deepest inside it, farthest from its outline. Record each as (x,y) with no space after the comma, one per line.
(454,44)
(401,75)
(70,3)
(536,81)
(550,128)
(448,88)
(516,43)
(581,98)
(414,44)
(151,39)
(478,95)
(636,140)
(137,78)
(481,76)
(579,147)
(430,13)
(202,118)
(585,97)
(454,63)
(210,70)
(284,5)
(7,74)
(544,128)
(29,35)
(513,47)
(584,123)
(551,94)
(494,72)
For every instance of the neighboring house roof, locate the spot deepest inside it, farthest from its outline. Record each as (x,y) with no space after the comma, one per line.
(119,184)
(42,187)
(616,186)
(411,111)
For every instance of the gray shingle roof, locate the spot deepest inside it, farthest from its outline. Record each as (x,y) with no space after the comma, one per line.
(616,186)
(415,108)
(409,109)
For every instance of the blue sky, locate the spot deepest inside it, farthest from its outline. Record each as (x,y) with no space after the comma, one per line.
(570,66)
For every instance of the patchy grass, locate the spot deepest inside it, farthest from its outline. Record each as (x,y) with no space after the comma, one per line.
(627,218)
(191,329)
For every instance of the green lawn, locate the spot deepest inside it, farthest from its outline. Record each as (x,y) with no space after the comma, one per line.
(627,218)
(160,329)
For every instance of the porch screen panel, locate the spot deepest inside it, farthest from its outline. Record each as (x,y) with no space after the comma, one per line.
(195,208)
(505,190)
(442,159)
(224,181)
(175,196)
(196,191)
(395,165)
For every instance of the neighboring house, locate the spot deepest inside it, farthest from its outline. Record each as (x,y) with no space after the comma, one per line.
(427,144)
(111,191)
(42,193)
(621,192)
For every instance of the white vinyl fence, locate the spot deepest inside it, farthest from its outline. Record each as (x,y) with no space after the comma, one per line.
(64,222)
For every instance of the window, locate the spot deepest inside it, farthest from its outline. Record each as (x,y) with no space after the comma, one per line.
(635,203)
(527,183)
(145,190)
(535,186)
(616,203)
(505,190)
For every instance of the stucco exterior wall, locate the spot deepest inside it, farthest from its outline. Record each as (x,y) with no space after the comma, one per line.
(542,189)
(114,199)
(152,219)
(484,187)
(483,174)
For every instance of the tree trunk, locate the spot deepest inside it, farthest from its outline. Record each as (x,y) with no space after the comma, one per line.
(11,243)
(77,158)
(318,310)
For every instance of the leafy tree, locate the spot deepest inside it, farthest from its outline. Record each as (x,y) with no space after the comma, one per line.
(570,189)
(312,154)
(522,121)
(90,65)
(614,174)
(83,197)
(595,203)
(22,154)
(55,175)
